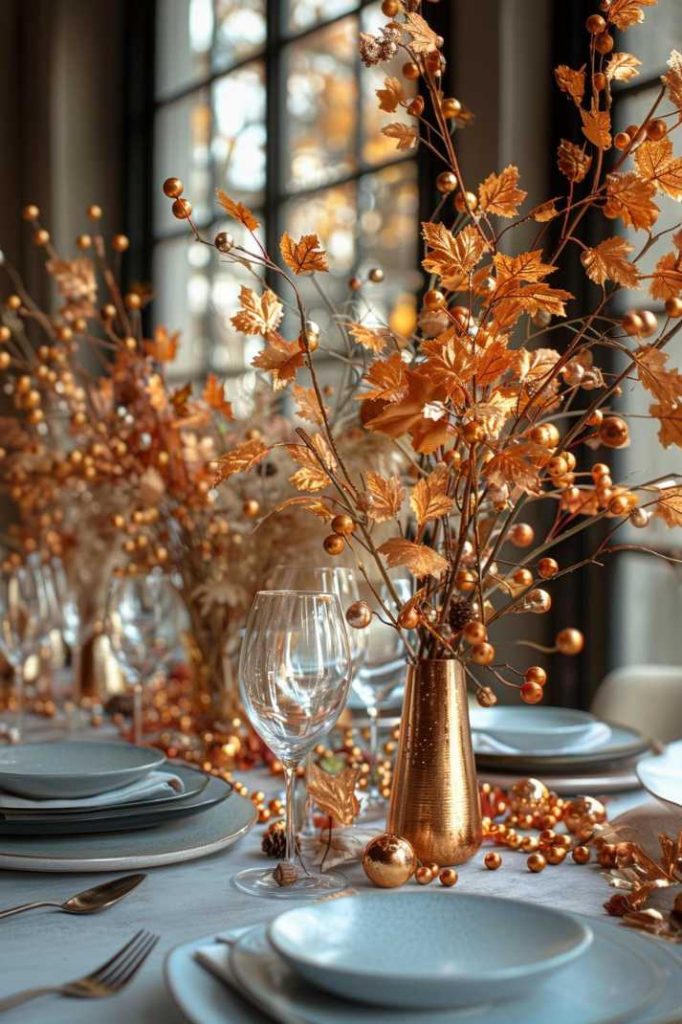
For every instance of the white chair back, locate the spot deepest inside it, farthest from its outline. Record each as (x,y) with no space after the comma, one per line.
(646,697)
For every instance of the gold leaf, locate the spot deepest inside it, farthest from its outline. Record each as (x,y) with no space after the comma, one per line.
(573,161)
(499,193)
(608,261)
(452,256)
(258,315)
(405,134)
(673,78)
(305,256)
(422,37)
(597,127)
(387,379)
(631,199)
(281,359)
(385,496)
(241,459)
(307,405)
(660,381)
(373,338)
(419,559)
(164,347)
(622,67)
(316,506)
(214,396)
(666,280)
(518,465)
(312,475)
(391,96)
(625,13)
(335,794)
(544,212)
(237,210)
(669,506)
(178,399)
(670,419)
(656,162)
(571,82)
(429,498)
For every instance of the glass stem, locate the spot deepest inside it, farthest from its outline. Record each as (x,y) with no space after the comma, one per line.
(137,714)
(373,714)
(290,788)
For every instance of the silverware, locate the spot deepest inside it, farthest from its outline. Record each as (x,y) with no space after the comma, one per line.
(106,981)
(87,902)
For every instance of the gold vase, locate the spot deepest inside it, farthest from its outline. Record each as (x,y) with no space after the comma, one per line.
(434,800)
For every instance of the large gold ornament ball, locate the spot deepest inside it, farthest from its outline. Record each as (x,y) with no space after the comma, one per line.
(528,795)
(584,810)
(389,861)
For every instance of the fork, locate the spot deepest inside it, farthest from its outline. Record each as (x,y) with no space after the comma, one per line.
(105,981)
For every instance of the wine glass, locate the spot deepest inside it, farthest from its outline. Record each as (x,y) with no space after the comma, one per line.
(294,675)
(23,619)
(142,627)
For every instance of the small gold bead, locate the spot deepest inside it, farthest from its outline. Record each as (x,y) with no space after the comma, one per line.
(119,243)
(492,861)
(536,862)
(94,212)
(423,875)
(448,877)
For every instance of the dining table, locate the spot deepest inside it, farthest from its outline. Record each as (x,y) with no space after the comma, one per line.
(195,899)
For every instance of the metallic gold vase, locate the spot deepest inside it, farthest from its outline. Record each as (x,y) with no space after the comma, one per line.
(434,800)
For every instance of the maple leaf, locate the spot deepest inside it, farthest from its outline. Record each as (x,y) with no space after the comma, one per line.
(622,67)
(666,280)
(571,82)
(241,459)
(179,398)
(258,315)
(573,161)
(454,361)
(334,794)
(391,96)
(281,359)
(429,498)
(214,396)
(385,496)
(405,134)
(631,199)
(387,379)
(518,465)
(494,413)
(670,418)
(307,405)
(164,346)
(418,558)
(237,210)
(313,475)
(406,415)
(597,127)
(373,338)
(673,78)
(625,13)
(544,212)
(422,37)
(521,289)
(663,383)
(656,162)
(305,256)
(316,506)
(608,261)
(451,256)
(669,506)
(499,193)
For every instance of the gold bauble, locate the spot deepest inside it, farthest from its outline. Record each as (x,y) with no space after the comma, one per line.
(528,795)
(584,810)
(388,861)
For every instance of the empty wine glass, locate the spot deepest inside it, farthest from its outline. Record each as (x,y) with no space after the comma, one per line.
(142,627)
(294,674)
(23,618)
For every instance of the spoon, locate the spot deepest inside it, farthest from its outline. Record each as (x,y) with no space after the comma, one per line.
(87,902)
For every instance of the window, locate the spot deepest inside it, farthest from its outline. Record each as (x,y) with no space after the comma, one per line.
(267,99)
(648,590)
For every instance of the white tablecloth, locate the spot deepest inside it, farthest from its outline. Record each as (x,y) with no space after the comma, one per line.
(196,899)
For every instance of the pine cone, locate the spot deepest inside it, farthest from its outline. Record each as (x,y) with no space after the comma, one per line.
(460,614)
(274,840)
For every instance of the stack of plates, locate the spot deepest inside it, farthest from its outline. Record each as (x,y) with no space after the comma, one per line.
(58,799)
(406,957)
(572,750)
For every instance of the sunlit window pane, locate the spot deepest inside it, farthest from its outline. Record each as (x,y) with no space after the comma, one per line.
(182,148)
(182,291)
(230,351)
(378,148)
(238,144)
(184,31)
(304,13)
(660,33)
(240,31)
(321,105)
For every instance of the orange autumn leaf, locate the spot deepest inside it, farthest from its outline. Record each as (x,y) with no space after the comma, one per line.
(237,210)
(214,396)
(518,465)
(521,289)
(241,459)
(597,127)
(669,506)
(672,79)
(631,199)
(307,405)
(625,13)
(453,361)
(258,315)
(164,346)
(281,359)
(660,381)
(178,398)
(429,498)
(423,39)
(451,256)
(622,67)
(407,416)
(385,496)
(544,212)
(666,280)
(571,82)
(373,338)
(573,161)
(305,256)
(313,475)
(500,194)
(670,419)
(334,794)
(656,162)
(316,506)
(387,379)
(608,260)
(419,559)
(405,135)
(391,96)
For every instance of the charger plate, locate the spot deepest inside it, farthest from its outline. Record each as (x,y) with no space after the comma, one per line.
(624,977)
(187,839)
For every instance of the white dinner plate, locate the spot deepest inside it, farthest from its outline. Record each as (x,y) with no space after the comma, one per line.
(531,729)
(73,769)
(661,775)
(185,839)
(416,950)
(625,977)
(623,744)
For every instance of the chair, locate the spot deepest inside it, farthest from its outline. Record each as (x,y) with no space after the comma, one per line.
(646,697)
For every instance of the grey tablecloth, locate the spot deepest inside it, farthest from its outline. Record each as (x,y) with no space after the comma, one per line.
(196,899)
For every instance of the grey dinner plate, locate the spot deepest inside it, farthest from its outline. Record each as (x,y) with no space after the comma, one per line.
(47,771)
(121,819)
(624,743)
